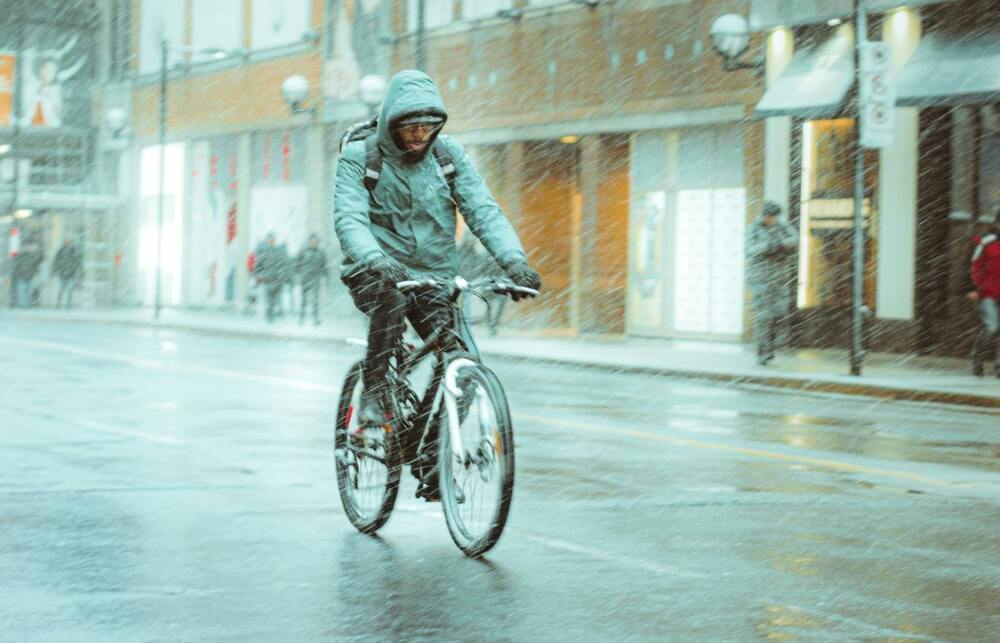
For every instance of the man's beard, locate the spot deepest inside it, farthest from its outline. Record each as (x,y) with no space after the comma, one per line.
(415,156)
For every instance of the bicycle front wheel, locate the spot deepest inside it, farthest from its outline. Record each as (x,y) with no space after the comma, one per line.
(366,460)
(477,475)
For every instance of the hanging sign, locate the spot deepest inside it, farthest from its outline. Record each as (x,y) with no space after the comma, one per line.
(877,95)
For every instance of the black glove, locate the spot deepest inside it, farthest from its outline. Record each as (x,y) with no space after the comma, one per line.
(388,270)
(524,276)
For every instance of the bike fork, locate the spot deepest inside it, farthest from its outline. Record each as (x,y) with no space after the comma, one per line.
(452,391)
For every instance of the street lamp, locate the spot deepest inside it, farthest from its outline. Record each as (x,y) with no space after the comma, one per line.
(165,48)
(117,121)
(295,90)
(371,91)
(730,36)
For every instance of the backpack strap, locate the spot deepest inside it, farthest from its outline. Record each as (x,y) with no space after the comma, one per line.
(447,164)
(373,163)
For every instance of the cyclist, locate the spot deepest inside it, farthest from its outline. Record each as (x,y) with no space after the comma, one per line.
(404,227)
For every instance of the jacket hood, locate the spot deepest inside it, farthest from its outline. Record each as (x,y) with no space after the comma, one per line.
(410,93)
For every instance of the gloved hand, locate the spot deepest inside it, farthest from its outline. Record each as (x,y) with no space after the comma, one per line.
(388,269)
(522,275)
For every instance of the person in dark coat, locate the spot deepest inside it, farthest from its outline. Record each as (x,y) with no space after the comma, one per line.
(66,266)
(25,268)
(770,250)
(405,226)
(271,270)
(985,268)
(311,268)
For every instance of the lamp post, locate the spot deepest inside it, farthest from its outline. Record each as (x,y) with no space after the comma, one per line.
(731,38)
(165,49)
(421,53)
(857,316)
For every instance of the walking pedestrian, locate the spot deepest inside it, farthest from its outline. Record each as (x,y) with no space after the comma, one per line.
(271,268)
(25,268)
(66,266)
(770,246)
(311,268)
(986,294)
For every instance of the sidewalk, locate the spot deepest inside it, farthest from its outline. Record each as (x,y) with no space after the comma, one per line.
(929,379)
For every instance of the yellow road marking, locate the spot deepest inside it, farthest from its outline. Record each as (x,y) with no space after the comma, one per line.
(716,446)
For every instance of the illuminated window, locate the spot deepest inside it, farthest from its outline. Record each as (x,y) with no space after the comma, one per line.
(827,216)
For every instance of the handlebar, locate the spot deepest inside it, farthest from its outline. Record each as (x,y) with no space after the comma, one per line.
(459,284)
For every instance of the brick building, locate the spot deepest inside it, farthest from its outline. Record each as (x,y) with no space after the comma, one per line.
(610,134)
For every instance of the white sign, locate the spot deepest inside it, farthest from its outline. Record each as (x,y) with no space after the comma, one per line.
(877,94)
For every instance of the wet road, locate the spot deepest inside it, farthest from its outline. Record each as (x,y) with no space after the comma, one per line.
(167,486)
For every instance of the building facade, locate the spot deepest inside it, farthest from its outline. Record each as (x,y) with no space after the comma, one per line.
(619,147)
(51,167)
(624,155)
(925,195)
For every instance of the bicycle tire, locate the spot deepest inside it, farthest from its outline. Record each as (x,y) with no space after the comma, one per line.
(455,494)
(369,519)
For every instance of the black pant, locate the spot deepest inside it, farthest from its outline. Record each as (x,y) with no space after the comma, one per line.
(273,289)
(388,308)
(310,291)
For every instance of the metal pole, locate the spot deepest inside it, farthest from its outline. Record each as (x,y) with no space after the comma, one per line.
(159,197)
(422,35)
(857,350)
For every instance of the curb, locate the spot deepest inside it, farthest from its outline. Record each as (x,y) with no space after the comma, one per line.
(876,391)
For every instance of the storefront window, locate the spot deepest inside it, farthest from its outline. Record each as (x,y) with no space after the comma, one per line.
(827,216)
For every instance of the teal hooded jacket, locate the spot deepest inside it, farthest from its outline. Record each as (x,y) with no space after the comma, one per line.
(410,215)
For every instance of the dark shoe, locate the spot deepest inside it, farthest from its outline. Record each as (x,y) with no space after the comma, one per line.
(977,369)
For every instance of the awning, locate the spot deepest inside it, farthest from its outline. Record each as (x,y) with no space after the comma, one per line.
(952,66)
(815,82)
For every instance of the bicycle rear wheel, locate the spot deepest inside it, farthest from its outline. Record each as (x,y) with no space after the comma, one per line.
(476,483)
(366,460)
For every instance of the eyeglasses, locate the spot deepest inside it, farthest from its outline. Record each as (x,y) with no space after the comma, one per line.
(417,128)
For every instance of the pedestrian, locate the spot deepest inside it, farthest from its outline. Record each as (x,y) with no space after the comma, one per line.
(395,215)
(270,268)
(25,268)
(986,294)
(66,266)
(311,268)
(770,248)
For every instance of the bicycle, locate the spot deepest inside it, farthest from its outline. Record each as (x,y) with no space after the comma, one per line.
(477,446)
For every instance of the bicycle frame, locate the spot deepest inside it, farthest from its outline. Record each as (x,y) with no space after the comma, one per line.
(443,341)
(446,339)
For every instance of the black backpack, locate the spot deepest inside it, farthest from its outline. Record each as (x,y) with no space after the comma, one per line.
(365,131)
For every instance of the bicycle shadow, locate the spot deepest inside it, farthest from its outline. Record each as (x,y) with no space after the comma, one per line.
(418,590)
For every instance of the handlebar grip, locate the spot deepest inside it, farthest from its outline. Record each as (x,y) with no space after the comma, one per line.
(410,284)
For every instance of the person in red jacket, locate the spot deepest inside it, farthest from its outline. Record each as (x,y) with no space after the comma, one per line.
(986,277)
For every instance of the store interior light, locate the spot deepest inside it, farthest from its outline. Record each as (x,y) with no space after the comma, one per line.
(7,219)
(569,140)
(4,148)
(23,213)
(834,22)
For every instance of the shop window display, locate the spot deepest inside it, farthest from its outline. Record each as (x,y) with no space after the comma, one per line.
(827,216)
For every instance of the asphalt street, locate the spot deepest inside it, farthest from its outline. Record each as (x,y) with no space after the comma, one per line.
(169,486)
